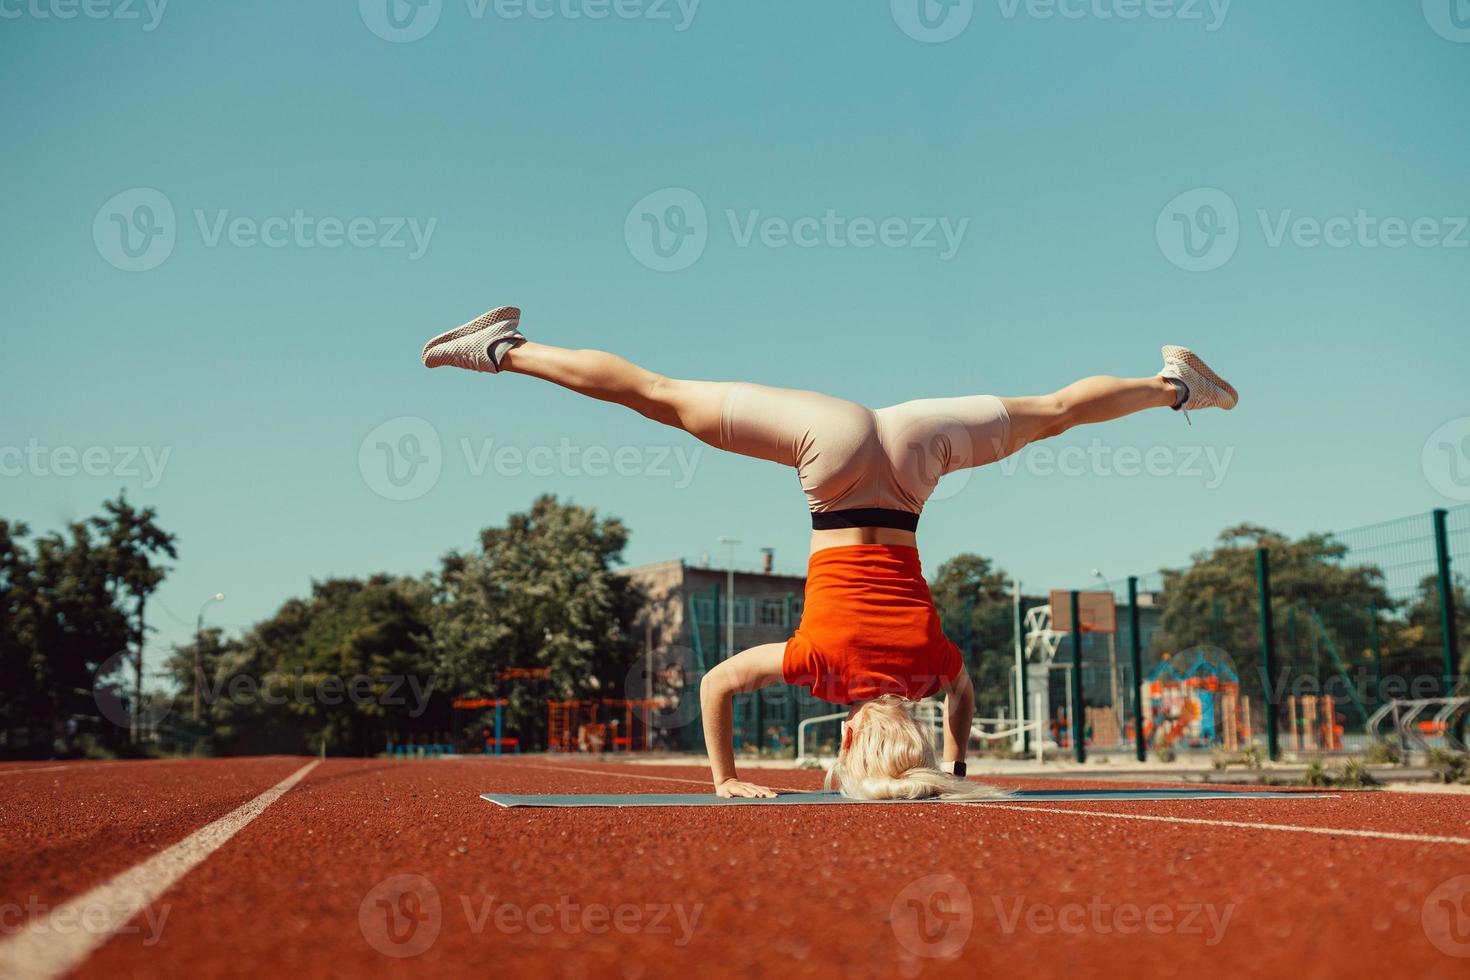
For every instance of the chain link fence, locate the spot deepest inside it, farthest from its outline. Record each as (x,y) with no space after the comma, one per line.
(1320,644)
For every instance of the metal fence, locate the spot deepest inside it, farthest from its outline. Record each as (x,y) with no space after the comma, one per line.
(1288,645)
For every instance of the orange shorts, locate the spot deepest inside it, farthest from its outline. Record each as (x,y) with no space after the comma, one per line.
(869,627)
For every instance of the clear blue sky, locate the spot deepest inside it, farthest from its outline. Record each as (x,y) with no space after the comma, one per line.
(519,145)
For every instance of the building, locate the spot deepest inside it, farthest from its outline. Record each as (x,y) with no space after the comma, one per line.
(685,626)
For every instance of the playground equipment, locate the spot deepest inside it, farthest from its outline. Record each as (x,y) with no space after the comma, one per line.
(1194,698)
(495,743)
(494,738)
(578,726)
(930,716)
(420,750)
(566,723)
(636,712)
(1447,723)
(1312,723)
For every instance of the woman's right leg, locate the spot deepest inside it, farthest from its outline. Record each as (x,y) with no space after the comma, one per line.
(775,424)
(694,406)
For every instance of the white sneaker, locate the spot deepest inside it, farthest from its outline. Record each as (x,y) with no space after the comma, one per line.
(1206,388)
(478,345)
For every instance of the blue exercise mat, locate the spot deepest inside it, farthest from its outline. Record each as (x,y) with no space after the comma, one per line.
(810,799)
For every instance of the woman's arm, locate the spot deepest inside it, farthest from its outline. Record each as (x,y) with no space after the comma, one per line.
(749,670)
(959,712)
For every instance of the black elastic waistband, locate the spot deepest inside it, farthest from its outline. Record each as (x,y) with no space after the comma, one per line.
(900,520)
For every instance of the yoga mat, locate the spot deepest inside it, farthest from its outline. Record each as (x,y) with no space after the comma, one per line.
(811,799)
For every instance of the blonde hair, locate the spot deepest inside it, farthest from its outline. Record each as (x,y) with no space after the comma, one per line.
(887,756)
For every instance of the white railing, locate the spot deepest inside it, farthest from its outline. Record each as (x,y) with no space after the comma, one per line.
(801,731)
(1406,714)
(930,714)
(1036,727)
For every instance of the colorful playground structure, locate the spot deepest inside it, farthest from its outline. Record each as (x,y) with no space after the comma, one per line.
(1194,700)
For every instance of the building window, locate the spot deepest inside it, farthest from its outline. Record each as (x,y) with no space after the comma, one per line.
(742,610)
(704,610)
(796,607)
(773,611)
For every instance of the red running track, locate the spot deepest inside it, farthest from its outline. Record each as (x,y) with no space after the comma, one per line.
(371,867)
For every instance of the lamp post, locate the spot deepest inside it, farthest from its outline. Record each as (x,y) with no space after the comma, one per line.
(1118,709)
(199,643)
(726,539)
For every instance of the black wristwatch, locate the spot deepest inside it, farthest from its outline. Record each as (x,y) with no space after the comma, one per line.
(959,769)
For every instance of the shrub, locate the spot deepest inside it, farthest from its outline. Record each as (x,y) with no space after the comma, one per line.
(1316,775)
(1355,775)
(1450,767)
(1383,753)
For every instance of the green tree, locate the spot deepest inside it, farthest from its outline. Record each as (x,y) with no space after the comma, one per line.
(132,545)
(18,651)
(1216,602)
(348,669)
(541,592)
(976,607)
(1422,643)
(59,627)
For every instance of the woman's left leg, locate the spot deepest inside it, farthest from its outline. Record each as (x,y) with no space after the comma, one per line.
(1097,399)
(932,437)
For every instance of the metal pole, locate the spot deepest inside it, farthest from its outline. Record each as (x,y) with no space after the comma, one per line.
(647,686)
(1268,653)
(135,715)
(1021,699)
(730,596)
(793,695)
(198,642)
(1377,655)
(730,607)
(1135,643)
(1446,603)
(1079,733)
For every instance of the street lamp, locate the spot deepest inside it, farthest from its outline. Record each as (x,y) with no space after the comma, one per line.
(726,539)
(199,643)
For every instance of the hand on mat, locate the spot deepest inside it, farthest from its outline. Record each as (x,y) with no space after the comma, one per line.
(735,787)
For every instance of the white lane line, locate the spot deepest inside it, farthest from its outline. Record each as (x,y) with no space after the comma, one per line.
(1328,831)
(632,775)
(45,949)
(17,772)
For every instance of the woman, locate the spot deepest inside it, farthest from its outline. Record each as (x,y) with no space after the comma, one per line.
(870,637)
